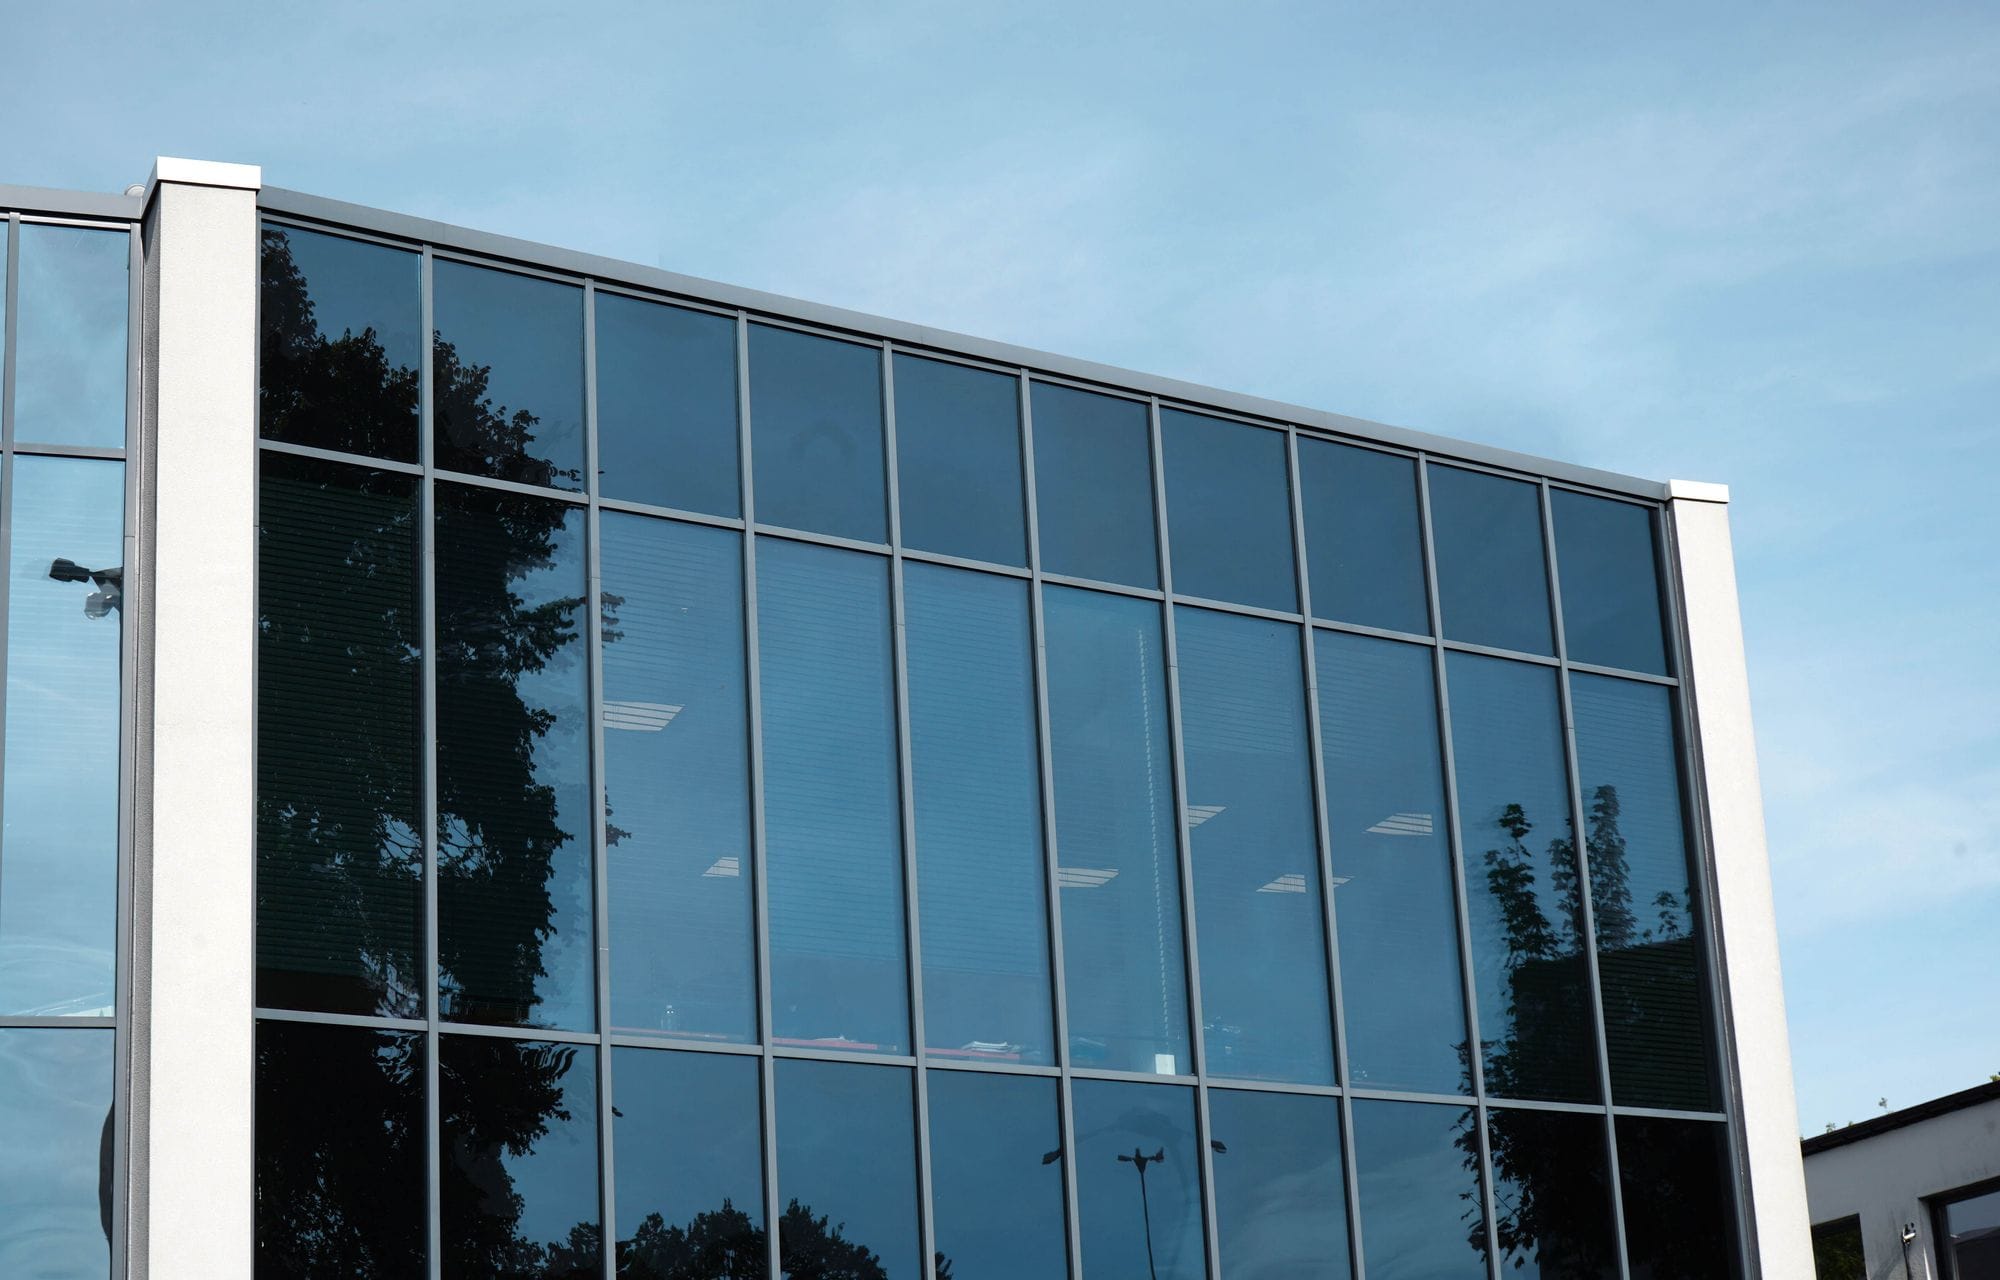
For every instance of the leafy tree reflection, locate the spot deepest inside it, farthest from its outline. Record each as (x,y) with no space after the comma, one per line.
(1553,1202)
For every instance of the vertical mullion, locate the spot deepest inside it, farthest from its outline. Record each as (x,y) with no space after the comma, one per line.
(913,940)
(1051,853)
(600,870)
(760,889)
(1578,850)
(1475,1049)
(128,675)
(427,550)
(13,323)
(1198,1048)
(1315,756)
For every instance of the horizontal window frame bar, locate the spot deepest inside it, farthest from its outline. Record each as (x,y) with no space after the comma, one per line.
(41,449)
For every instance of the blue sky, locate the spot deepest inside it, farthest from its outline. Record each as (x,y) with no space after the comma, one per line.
(1755,244)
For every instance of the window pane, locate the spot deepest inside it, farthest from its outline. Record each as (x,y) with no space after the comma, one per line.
(514,881)
(816,433)
(517,1134)
(847,1171)
(676,779)
(958,461)
(666,406)
(340,861)
(55,1172)
(1396,908)
(59,856)
(1837,1251)
(1256,852)
(1674,1176)
(1493,582)
(340,1151)
(1094,486)
(996,1176)
(833,826)
(1364,539)
(507,375)
(1973,1225)
(1552,1195)
(1124,971)
(1138,1180)
(1280,1200)
(981,880)
(1642,897)
(1529,969)
(1421,1217)
(70,323)
(1229,511)
(1610,583)
(342,336)
(690,1164)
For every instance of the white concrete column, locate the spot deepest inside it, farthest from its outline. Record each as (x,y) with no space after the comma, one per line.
(1749,924)
(193,950)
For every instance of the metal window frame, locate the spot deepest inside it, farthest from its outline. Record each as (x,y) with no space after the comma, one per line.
(745,307)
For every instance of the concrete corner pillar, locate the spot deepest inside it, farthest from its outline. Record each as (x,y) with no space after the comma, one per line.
(1706,564)
(192,1061)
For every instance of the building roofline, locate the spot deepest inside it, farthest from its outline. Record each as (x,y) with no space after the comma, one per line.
(1877,1125)
(72,204)
(340,213)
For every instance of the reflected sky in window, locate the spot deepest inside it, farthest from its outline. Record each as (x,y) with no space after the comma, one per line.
(55,1113)
(70,326)
(59,853)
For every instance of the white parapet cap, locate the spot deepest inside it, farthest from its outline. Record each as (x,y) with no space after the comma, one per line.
(1696,491)
(203,173)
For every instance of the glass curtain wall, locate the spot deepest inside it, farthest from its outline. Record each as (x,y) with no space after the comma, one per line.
(66,324)
(744,800)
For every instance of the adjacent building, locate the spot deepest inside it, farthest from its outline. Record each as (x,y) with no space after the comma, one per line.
(519,764)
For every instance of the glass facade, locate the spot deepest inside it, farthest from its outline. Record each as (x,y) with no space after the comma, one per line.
(66,335)
(741,800)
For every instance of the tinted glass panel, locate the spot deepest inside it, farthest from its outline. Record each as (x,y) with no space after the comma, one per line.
(342,331)
(517,1134)
(816,433)
(507,375)
(1256,853)
(1610,586)
(59,854)
(1229,511)
(1551,1195)
(981,879)
(1837,1251)
(1642,895)
(846,1172)
(1521,880)
(339,733)
(1280,1201)
(340,1151)
(666,406)
(1396,909)
(1679,1223)
(676,779)
(1124,971)
(55,1164)
(70,323)
(1972,1227)
(833,828)
(1138,1180)
(1364,540)
(958,461)
(1493,582)
(514,882)
(1418,1169)
(1094,486)
(996,1176)
(690,1165)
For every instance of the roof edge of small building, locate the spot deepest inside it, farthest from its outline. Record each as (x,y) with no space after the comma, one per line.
(1875,1125)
